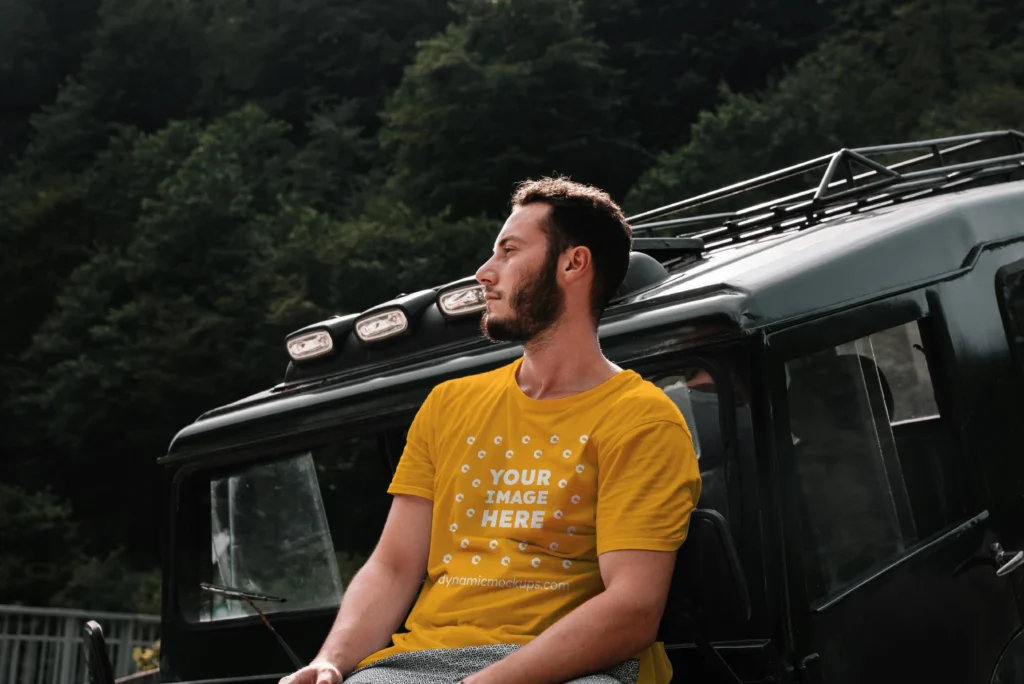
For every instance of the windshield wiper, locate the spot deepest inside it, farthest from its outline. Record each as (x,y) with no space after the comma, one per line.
(249,597)
(232,593)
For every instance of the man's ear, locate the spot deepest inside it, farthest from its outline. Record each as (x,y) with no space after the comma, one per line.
(577,263)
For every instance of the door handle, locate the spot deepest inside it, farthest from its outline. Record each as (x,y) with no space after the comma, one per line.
(1006,561)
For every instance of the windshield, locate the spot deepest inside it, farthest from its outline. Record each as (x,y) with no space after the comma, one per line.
(297,527)
(269,535)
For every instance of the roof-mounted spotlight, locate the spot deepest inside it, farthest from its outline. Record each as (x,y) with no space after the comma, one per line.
(310,345)
(320,339)
(394,318)
(461,298)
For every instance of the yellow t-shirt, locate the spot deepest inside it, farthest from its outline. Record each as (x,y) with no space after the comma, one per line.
(527,493)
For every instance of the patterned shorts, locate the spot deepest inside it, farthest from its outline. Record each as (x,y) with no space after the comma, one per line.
(449,665)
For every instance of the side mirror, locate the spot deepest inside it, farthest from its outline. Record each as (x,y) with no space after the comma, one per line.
(97,661)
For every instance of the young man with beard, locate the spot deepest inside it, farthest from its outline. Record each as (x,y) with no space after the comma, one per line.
(543,501)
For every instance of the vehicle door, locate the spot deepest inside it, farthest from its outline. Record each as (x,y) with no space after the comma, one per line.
(887,520)
(985,315)
(711,388)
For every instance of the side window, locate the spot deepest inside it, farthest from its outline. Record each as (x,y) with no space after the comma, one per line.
(298,528)
(694,391)
(1010,292)
(873,456)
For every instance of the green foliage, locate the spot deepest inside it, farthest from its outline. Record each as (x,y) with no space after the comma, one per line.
(45,562)
(40,243)
(109,583)
(386,250)
(992,106)
(41,42)
(512,89)
(672,56)
(142,70)
(183,183)
(27,70)
(126,175)
(297,58)
(35,529)
(914,78)
(190,275)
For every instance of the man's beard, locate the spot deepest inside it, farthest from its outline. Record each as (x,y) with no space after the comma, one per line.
(536,304)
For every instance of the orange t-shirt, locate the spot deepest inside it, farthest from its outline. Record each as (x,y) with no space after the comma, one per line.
(528,493)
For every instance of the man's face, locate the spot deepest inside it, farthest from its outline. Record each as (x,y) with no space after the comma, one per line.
(523,295)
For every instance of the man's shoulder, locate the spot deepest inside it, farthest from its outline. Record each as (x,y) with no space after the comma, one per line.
(640,403)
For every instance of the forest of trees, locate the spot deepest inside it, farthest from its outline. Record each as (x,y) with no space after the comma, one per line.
(183,182)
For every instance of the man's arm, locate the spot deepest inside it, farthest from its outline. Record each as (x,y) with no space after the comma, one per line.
(381,593)
(612,627)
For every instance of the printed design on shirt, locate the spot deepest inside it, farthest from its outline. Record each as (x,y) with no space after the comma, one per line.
(516,498)
(513,497)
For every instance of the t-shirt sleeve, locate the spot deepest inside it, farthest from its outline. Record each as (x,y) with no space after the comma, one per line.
(648,484)
(415,472)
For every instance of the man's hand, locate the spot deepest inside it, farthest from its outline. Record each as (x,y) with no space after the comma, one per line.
(378,597)
(320,671)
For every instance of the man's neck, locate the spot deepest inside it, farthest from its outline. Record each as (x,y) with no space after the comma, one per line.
(566,360)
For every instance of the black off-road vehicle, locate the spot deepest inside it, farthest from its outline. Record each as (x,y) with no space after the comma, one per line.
(850,358)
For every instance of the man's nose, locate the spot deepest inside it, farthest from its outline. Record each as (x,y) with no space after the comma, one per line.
(485,274)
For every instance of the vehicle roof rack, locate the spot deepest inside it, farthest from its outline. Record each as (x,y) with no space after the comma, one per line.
(879,185)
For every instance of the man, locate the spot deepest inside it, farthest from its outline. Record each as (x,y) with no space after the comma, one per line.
(543,501)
